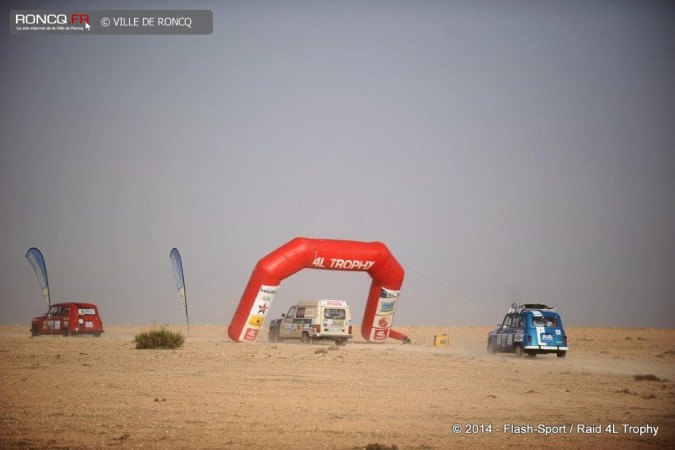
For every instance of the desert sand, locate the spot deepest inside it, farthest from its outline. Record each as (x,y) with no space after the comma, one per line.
(86,392)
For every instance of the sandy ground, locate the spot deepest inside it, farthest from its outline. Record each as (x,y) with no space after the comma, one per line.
(85,392)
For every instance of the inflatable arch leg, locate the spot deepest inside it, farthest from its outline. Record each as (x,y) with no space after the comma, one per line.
(323,254)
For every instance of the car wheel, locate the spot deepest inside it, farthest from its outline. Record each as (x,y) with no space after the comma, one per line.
(561,354)
(490,348)
(305,338)
(519,351)
(64,332)
(97,334)
(340,341)
(34,331)
(272,337)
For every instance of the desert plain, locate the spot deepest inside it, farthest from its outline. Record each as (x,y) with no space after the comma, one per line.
(86,392)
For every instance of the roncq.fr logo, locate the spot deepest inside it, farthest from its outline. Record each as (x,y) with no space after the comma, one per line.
(51,19)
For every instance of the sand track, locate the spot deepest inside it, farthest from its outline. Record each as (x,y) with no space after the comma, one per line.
(84,392)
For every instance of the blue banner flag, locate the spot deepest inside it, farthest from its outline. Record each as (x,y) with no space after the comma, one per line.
(179,278)
(36,260)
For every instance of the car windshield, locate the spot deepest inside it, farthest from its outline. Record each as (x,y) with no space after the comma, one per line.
(542,321)
(334,313)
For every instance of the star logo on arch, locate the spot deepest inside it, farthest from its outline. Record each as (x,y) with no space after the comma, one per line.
(262,309)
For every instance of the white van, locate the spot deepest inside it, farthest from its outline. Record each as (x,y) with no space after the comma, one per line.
(311,320)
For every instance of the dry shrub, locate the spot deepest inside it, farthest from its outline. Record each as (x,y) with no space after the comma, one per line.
(377,446)
(162,339)
(650,377)
(666,353)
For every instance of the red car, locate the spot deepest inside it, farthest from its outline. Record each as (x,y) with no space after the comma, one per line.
(69,318)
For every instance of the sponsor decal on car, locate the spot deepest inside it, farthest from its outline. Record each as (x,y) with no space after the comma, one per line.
(341,303)
(52,324)
(519,336)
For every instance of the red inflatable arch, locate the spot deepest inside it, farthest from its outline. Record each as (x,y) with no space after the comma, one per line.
(325,254)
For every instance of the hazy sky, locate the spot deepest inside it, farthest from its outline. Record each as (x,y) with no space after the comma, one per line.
(504,151)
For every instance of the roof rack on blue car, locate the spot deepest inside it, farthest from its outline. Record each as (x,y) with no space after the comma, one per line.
(535,306)
(529,306)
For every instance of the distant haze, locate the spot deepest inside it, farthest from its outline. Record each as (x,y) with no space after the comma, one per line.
(503,150)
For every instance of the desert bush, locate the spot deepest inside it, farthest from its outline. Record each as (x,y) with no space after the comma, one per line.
(162,338)
(666,353)
(378,446)
(650,377)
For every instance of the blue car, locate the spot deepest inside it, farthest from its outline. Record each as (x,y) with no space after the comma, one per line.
(529,329)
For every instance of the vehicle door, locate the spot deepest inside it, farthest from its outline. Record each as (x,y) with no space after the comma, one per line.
(502,333)
(69,318)
(300,322)
(54,322)
(88,319)
(311,318)
(519,330)
(334,321)
(287,327)
(511,327)
(548,329)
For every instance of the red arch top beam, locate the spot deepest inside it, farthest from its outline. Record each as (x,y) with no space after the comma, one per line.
(323,254)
